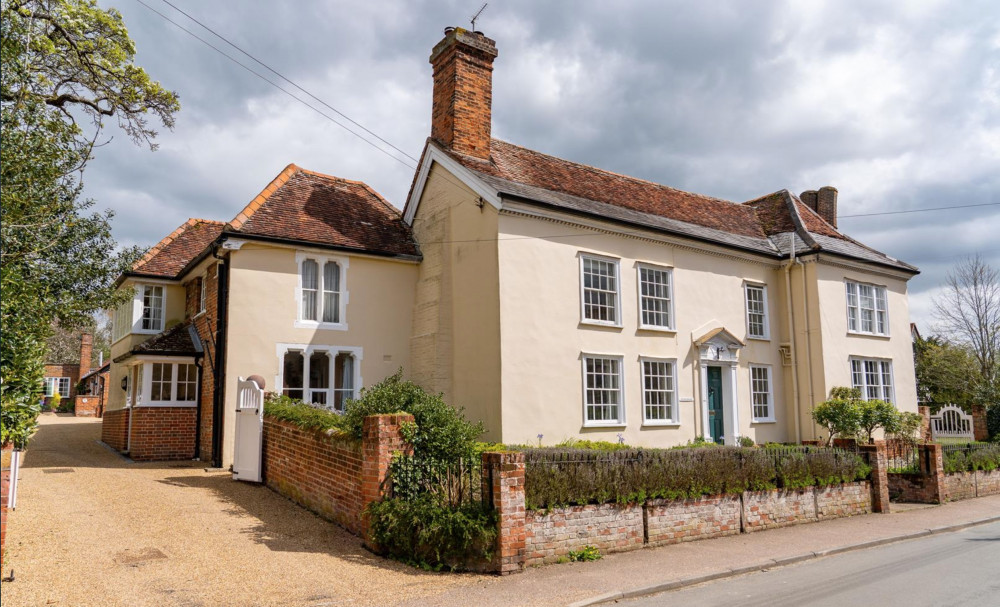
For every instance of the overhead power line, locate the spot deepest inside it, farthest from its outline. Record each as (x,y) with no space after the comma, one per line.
(961,206)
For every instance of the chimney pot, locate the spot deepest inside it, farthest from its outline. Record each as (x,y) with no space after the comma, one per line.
(826,204)
(463,92)
(809,198)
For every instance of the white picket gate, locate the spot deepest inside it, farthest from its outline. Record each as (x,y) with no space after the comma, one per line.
(249,448)
(951,422)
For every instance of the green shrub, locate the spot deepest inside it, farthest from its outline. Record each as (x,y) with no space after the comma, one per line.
(874,414)
(440,431)
(974,456)
(587,553)
(55,401)
(285,408)
(426,533)
(840,414)
(993,422)
(594,445)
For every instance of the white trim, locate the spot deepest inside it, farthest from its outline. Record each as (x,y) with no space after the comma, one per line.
(770,395)
(307,350)
(202,293)
(864,377)
(344,295)
(674,420)
(621,421)
(875,309)
(433,154)
(137,308)
(59,380)
(747,285)
(582,255)
(639,266)
(146,389)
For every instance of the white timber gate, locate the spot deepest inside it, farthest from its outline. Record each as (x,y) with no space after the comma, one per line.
(248,453)
(951,422)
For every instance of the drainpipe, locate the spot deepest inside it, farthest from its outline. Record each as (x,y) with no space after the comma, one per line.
(131,409)
(218,393)
(791,332)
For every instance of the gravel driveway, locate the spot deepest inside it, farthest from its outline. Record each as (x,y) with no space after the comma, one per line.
(93,528)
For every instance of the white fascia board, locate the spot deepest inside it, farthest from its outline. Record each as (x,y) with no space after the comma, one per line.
(448,163)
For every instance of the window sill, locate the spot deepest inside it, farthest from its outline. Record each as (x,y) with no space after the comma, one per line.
(162,404)
(763,421)
(875,335)
(661,425)
(611,426)
(321,326)
(147,331)
(657,329)
(599,324)
(760,338)
(200,313)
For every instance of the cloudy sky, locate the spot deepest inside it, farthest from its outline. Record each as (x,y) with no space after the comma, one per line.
(897,104)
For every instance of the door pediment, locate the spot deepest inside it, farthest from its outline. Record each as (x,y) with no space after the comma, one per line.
(719,344)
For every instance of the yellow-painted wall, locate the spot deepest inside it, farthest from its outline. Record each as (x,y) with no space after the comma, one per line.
(263,309)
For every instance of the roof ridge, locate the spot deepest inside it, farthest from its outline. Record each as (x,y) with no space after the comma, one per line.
(258,201)
(169,238)
(615,173)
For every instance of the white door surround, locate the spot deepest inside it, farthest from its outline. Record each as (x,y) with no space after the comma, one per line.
(720,348)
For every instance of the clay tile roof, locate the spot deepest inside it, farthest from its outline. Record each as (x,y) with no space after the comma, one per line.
(174,252)
(179,340)
(306,206)
(529,167)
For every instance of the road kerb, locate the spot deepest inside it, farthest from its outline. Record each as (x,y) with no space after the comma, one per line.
(701,579)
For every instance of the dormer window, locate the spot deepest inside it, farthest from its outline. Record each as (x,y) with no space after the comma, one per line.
(322,293)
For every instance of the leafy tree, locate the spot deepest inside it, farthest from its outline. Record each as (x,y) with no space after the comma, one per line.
(59,60)
(874,414)
(945,371)
(840,415)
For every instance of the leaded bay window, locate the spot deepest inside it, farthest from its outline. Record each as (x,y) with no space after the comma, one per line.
(602,387)
(761,395)
(659,392)
(655,298)
(324,377)
(600,290)
(867,308)
(756,300)
(873,377)
(322,297)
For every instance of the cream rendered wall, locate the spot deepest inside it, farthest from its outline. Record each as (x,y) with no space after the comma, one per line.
(174,313)
(263,308)
(455,341)
(830,308)
(542,337)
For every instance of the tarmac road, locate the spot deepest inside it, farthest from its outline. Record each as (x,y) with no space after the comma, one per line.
(956,569)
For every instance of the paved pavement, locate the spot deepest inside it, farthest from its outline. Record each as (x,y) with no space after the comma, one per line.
(94,528)
(958,569)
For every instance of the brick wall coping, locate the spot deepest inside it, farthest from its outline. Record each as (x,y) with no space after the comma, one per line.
(330,433)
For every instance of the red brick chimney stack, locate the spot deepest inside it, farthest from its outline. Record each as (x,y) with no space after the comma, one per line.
(86,347)
(463,91)
(826,204)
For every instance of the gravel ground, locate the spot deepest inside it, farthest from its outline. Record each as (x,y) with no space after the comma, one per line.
(93,528)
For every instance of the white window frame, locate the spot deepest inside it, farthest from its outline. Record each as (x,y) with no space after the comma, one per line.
(747,286)
(616,263)
(671,325)
(674,419)
(121,320)
(855,310)
(620,420)
(202,293)
(54,384)
(884,367)
(321,261)
(331,351)
(769,377)
(140,301)
(146,389)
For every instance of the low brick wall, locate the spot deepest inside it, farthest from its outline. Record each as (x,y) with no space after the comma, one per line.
(320,472)
(674,521)
(163,433)
(960,485)
(912,487)
(849,499)
(780,508)
(87,406)
(988,483)
(552,534)
(114,429)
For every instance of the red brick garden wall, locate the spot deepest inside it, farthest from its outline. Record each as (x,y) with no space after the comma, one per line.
(554,533)
(674,521)
(88,406)
(162,433)
(966,485)
(114,429)
(316,470)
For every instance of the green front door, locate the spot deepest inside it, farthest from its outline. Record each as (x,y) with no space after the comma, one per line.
(716,425)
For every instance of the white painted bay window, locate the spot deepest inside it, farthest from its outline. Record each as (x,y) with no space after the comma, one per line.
(656,309)
(600,294)
(153,301)
(603,400)
(659,392)
(867,309)
(169,384)
(326,376)
(57,385)
(761,393)
(873,377)
(322,292)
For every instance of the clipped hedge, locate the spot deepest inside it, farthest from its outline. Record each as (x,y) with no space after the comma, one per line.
(974,456)
(563,477)
(294,411)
